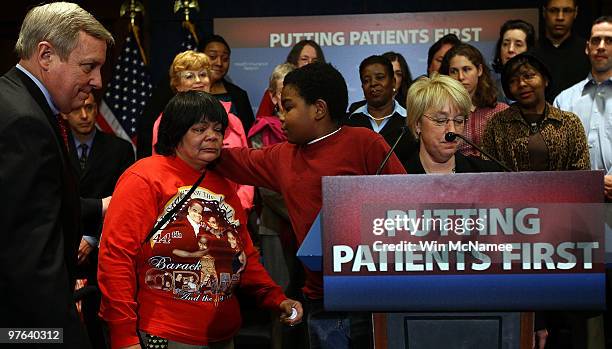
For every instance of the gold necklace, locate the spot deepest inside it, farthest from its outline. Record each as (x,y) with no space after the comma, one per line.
(380,119)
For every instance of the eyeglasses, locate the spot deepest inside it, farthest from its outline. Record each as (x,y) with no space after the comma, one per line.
(596,40)
(441,120)
(557,10)
(190,75)
(527,76)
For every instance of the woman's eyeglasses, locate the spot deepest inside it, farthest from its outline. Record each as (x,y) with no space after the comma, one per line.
(191,75)
(441,120)
(526,76)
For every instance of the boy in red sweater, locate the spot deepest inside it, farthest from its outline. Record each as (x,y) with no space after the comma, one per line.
(314,99)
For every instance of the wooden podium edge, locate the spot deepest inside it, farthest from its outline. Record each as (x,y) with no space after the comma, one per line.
(527,330)
(379,322)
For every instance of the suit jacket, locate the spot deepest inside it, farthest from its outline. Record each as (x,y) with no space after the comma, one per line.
(40,214)
(108,157)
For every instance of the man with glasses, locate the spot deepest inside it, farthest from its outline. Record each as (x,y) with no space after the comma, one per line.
(591,100)
(560,49)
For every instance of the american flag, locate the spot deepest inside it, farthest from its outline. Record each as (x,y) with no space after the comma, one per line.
(189,42)
(127,93)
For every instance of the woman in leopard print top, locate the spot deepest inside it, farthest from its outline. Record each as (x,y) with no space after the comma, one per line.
(532,135)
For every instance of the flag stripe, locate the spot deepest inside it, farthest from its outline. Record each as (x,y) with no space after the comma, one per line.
(127,93)
(112,124)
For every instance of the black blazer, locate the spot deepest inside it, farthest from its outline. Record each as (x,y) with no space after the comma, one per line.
(240,100)
(390,132)
(40,215)
(463,164)
(108,157)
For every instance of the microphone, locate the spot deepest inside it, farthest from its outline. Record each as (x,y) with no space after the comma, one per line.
(382,165)
(451,136)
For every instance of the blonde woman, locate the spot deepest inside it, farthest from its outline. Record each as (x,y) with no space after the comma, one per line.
(437,105)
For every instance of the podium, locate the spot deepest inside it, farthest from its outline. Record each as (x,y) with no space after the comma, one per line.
(460,261)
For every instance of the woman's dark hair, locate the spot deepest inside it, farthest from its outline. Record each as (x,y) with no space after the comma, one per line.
(486,92)
(219,39)
(184,110)
(517,62)
(294,54)
(400,96)
(450,39)
(384,61)
(518,24)
(321,81)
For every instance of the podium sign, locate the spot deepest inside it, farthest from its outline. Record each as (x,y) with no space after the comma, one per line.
(464,242)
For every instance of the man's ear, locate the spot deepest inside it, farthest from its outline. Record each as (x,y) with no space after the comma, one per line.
(586,48)
(320,109)
(45,53)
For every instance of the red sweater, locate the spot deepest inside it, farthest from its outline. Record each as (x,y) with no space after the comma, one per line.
(174,295)
(296,171)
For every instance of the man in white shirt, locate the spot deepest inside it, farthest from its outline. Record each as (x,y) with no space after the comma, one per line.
(591,100)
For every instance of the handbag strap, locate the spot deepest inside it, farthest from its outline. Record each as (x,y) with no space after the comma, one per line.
(171,213)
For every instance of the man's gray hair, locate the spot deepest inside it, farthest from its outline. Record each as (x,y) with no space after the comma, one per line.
(60,24)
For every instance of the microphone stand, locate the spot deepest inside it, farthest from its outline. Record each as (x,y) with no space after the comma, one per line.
(450,136)
(382,165)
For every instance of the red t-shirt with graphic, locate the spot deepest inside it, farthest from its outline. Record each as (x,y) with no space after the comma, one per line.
(185,277)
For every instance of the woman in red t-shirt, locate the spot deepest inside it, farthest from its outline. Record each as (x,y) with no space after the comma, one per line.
(179,285)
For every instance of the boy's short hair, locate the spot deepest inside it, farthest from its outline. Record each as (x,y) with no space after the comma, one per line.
(321,81)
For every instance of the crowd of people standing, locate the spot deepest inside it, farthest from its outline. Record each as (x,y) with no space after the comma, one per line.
(221,198)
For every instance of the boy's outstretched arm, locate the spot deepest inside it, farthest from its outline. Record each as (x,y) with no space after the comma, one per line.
(251,166)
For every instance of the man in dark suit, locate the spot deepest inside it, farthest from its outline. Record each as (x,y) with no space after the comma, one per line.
(99,159)
(61,49)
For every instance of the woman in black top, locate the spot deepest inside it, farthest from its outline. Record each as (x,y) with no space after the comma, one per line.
(217,49)
(436,106)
